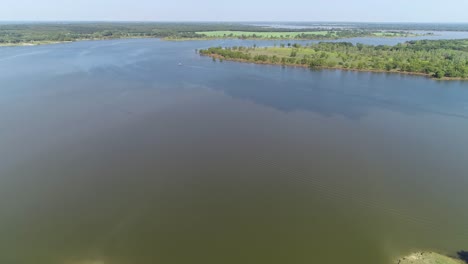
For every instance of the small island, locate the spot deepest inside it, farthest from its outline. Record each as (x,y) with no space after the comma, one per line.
(439,59)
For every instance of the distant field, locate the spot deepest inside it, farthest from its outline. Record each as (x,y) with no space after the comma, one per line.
(248,34)
(285,53)
(392,34)
(281,52)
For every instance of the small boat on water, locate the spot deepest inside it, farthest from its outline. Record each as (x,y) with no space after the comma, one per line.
(180,63)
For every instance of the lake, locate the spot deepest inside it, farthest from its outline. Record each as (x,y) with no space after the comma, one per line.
(113,153)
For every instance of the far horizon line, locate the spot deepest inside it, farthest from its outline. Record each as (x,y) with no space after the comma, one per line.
(222,21)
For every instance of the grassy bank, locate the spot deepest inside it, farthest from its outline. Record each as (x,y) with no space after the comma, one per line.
(442,59)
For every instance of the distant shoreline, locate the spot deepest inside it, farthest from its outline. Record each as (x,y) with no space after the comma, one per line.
(204,38)
(278,39)
(46,33)
(43,43)
(269,36)
(30,44)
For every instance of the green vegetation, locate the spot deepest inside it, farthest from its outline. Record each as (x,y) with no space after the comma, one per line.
(318,34)
(44,33)
(427,258)
(441,59)
(20,34)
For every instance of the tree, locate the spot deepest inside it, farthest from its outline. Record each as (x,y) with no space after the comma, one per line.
(439,74)
(331,64)
(274,59)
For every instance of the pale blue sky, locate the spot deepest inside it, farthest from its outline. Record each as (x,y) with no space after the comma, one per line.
(237,10)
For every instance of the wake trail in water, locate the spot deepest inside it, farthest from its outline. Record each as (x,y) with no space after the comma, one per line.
(197,67)
(23,55)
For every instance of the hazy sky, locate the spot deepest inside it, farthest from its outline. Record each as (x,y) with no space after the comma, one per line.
(237,10)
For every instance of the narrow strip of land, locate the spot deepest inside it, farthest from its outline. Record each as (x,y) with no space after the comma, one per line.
(440,59)
(303,35)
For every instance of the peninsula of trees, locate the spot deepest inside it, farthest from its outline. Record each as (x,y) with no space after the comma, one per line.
(441,59)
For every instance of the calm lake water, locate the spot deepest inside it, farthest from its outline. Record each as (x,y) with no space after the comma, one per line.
(112,153)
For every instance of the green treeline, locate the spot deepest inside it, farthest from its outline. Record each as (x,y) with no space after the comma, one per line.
(318,34)
(60,32)
(435,58)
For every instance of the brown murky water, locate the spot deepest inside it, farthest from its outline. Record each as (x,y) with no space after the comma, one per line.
(111,153)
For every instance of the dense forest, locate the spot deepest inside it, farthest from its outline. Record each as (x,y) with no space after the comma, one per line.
(59,32)
(442,59)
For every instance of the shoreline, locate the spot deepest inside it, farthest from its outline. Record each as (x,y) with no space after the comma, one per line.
(176,39)
(215,56)
(291,39)
(43,43)
(32,44)
(428,257)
